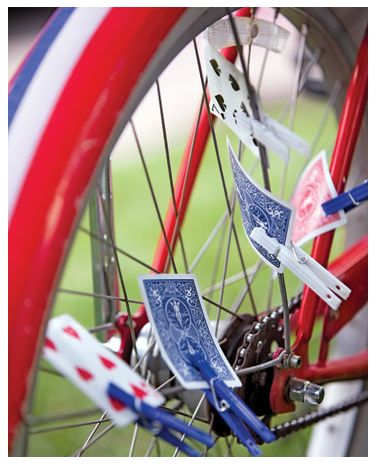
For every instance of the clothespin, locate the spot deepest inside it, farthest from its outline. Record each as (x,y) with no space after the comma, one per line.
(347,200)
(274,135)
(160,422)
(315,276)
(230,407)
(233,422)
(285,135)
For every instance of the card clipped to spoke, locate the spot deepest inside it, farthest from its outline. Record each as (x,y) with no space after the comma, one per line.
(259,208)
(314,188)
(175,310)
(91,367)
(230,102)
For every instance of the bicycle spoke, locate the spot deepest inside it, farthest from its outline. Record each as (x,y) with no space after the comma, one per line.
(41,419)
(324,119)
(215,268)
(222,220)
(229,445)
(123,287)
(143,357)
(210,433)
(183,414)
(307,69)
(220,223)
(96,295)
(192,149)
(223,308)
(170,392)
(243,293)
(193,417)
(104,272)
(66,426)
(151,446)
(303,81)
(263,366)
(265,57)
(153,195)
(122,252)
(230,280)
(158,448)
(227,250)
(102,327)
(293,101)
(167,155)
(134,438)
(270,289)
(231,226)
(136,427)
(164,384)
(90,439)
(50,371)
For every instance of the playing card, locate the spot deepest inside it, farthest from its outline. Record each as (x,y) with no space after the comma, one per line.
(178,318)
(259,208)
(229,99)
(315,186)
(230,102)
(81,358)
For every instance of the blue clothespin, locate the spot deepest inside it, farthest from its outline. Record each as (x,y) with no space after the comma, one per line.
(161,422)
(347,200)
(169,437)
(231,408)
(235,423)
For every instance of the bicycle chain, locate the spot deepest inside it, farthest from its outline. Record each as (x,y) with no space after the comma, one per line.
(255,349)
(302,422)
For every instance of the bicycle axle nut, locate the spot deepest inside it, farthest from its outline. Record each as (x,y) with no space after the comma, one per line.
(305,391)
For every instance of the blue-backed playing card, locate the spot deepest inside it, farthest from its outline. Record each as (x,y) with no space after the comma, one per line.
(258,207)
(180,323)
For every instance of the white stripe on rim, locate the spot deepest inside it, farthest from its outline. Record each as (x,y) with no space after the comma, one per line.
(43,92)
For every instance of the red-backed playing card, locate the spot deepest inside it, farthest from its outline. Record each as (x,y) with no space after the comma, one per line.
(314,188)
(81,358)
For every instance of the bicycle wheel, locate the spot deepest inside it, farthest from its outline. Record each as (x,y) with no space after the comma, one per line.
(104,95)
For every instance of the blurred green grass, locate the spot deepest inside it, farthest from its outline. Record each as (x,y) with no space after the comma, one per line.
(137,230)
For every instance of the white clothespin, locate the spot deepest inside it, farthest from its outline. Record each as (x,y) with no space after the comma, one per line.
(315,276)
(274,135)
(292,140)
